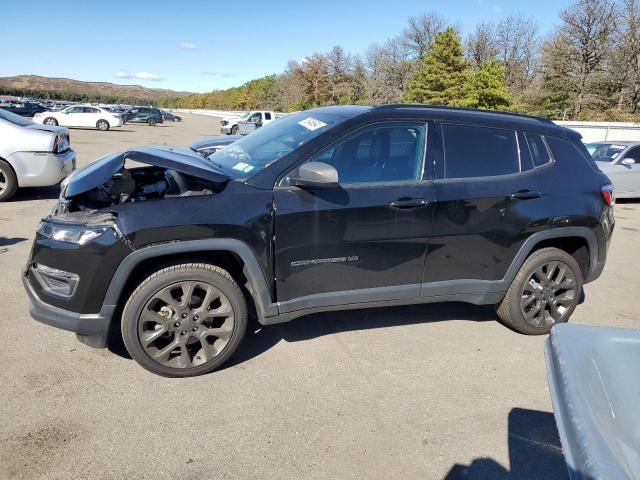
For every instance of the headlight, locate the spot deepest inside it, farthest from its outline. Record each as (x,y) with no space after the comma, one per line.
(70,233)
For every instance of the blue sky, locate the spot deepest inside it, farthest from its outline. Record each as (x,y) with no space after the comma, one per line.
(204,45)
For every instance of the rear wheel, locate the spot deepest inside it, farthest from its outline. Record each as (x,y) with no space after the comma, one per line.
(50,121)
(184,320)
(8,181)
(102,125)
(151,122)
(545,291)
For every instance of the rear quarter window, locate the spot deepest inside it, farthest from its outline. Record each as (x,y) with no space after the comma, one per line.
(567,151)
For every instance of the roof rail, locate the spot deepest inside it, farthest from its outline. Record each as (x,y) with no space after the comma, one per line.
(461,109)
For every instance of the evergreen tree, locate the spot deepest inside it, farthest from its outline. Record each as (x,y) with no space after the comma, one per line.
(485,87)
(442,73)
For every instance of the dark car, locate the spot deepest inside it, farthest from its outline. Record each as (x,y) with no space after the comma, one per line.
(333,208)
(148,115)
(210,145)
(24,109)
(170,117)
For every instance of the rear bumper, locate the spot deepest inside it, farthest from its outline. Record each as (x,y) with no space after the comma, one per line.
(91,329)
(42,169)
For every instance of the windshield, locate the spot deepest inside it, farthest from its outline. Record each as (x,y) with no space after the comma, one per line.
(272,142)
(244,115)
(605,152)
(13,118)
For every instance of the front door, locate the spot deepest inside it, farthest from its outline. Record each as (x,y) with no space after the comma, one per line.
(366,240)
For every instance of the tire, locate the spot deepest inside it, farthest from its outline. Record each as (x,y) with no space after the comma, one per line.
(235,129)
(8,181)
(174,332)
(151,122)
(550,284)
(50,121)
(102,125)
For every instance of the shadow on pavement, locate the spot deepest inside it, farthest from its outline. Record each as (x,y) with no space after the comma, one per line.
(6,241)
(36,193)
(534,451)
(259,339)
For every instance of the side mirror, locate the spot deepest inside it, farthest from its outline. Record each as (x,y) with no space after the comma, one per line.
(315,174)
(628,162)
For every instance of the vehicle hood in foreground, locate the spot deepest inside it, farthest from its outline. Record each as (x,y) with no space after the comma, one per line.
(182,160)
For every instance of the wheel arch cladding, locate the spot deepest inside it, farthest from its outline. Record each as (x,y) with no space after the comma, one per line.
(235,256)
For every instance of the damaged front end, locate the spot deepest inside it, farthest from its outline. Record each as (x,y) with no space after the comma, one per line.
(157,172)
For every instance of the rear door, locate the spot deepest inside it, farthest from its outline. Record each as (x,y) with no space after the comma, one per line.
(367,239)
(90,117)
(487,203)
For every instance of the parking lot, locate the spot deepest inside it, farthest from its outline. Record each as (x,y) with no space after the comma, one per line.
(431,391)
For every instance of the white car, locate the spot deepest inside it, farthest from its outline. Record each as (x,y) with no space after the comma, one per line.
(32,155)
(230,123)
(81,116)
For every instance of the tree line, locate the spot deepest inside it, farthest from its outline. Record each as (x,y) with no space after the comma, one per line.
(588,67)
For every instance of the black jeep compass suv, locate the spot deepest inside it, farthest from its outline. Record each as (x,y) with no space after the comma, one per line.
(334,208)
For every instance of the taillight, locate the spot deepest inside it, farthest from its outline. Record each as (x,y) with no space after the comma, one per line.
(608,194)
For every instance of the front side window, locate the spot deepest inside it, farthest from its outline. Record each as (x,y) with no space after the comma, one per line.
(382,153)
(267,116)
(538,149)
(633,154)
(74,110)
(474,151)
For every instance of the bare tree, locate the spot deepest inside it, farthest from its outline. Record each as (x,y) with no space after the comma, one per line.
(421,32)
(625,65)
(583,41)
(390,68)
(516,43)
(340,66)
(481,44)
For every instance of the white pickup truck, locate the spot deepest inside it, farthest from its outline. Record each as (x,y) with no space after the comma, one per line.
(229,124)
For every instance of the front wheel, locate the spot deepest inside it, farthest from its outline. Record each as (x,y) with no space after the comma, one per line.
(102,125)
(184,320)
(545,291)
(151,122)
(50,121)
(234,130)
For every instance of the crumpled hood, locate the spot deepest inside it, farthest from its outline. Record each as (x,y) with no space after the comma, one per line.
(100,172)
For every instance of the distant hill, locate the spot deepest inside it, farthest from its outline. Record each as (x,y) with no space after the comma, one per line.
(35,83)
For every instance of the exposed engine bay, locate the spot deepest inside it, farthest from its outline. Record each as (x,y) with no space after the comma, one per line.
(137,185)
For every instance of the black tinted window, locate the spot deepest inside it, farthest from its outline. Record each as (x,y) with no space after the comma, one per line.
(634,154)
(472,151)
(567,151)
(384,153)
(539,152)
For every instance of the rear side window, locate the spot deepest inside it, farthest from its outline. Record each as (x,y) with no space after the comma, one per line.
(538,149)
(473,151)
(267,116)
(565,150)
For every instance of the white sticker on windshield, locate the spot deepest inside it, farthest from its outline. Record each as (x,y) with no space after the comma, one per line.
(312,124)
(241,166)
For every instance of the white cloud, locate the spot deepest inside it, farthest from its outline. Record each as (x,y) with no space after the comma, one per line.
(139,75)
(188,46)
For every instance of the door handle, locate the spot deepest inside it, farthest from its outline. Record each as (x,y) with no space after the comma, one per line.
(406,203)
(526,195)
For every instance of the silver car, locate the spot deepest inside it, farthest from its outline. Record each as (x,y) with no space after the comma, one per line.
(621,162)
(32,155)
